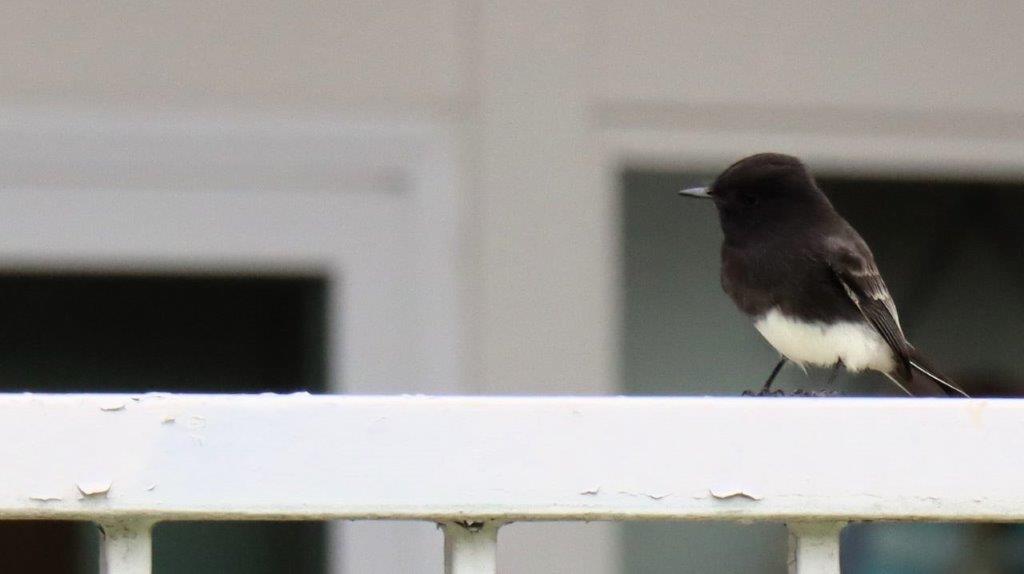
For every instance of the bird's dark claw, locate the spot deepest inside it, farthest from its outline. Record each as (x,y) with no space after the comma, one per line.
(764,393)
(817,393)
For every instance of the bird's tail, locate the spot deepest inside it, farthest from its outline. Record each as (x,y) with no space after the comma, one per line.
(926,381)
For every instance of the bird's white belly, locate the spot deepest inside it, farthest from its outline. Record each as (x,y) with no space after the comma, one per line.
(857,344)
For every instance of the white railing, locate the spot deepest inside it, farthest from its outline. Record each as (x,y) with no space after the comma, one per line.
(473,464)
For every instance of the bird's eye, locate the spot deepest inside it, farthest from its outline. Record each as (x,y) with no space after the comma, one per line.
(748,199)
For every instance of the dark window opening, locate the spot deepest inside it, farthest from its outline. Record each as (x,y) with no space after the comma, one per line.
(951,253)
(192,333)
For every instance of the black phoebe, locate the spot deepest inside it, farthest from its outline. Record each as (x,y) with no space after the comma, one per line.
(807,278)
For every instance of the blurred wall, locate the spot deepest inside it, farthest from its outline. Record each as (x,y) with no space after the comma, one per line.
(548,102)
(537,93)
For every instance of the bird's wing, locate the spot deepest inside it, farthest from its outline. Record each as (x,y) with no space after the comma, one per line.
(854,268)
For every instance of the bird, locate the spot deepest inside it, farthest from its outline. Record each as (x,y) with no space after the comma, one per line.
(807,279)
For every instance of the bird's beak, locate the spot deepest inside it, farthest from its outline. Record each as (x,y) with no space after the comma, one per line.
(698,192)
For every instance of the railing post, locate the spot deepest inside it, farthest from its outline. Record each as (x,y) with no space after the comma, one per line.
(470,547)
(814,547)
(126,547)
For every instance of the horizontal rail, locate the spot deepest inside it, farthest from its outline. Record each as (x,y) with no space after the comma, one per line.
(153,457)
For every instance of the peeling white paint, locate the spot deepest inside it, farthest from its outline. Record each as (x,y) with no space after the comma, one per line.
(914,459)
(94,488)
(652,496)
(727,493)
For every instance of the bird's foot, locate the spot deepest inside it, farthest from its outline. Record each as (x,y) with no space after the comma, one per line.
(816,393)
(764,393)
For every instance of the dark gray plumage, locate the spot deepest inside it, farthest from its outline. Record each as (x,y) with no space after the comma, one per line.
(807,278)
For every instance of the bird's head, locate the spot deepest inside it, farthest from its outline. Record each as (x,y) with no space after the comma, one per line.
(763,191)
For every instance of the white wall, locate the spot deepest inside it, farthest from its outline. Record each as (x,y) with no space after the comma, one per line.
(909,56)
(298,55)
